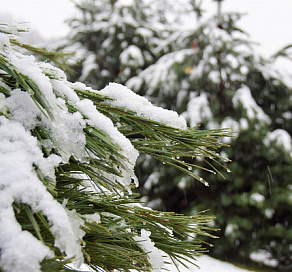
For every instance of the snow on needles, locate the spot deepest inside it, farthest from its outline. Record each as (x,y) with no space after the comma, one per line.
(28,175)
(19,154)
(125,98)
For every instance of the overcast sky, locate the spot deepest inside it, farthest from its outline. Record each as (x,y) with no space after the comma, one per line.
(269,22)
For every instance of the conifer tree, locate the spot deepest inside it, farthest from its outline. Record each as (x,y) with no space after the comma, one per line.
(67,158)
(115,39)
(216,80)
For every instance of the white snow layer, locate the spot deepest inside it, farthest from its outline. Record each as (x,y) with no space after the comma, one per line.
(19,152)
(207,264)
(132,56)
(127,99)
(154,254)
(198,110)
(244,97)
(281,138)
(160,72)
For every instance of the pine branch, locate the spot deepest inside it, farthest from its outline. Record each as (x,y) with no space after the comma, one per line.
(167,144)
(89,181)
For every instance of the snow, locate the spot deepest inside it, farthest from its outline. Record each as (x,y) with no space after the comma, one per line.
(208,264)
(230,228)
(89,65)
(154,254)
(244,97)
(264,257)
(282,139)
(257,197)
(28,176)
(159,73)
(121,96)
(19,182)
(153,179)
(132,56)
(198,109)
(204,263)
(95,217)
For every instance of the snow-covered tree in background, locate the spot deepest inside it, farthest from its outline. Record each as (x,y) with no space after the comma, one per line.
(116,39)
(67,158)
(216,80)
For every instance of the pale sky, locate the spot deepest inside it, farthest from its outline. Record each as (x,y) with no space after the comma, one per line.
(269,22)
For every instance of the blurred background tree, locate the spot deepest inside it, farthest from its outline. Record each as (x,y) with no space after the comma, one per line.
(209,73)
(116,40)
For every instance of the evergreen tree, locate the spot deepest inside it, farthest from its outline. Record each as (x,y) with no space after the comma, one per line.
(116,39)
(67,157)
(216,80)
